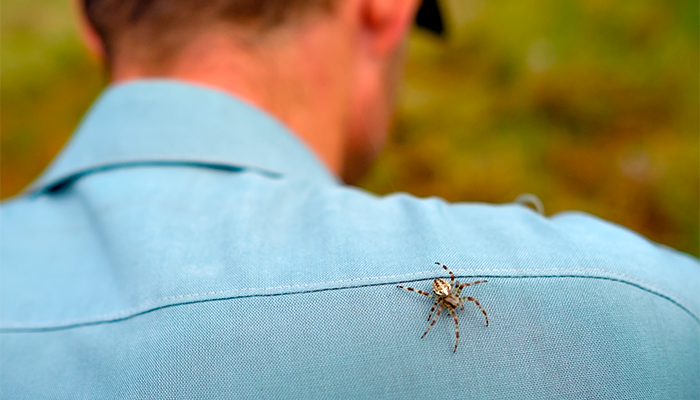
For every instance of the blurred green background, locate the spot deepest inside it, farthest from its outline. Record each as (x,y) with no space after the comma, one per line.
(592,105)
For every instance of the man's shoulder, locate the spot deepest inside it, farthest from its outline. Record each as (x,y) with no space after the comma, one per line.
(177,234)
(221,270)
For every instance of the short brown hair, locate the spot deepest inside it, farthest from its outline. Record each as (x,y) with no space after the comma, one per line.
(157,29)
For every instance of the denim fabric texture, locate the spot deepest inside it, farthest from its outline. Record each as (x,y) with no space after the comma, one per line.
(185,245)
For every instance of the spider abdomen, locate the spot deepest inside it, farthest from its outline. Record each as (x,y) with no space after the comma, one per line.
(441,287)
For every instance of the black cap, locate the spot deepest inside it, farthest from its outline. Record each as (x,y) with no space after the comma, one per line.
(429,17)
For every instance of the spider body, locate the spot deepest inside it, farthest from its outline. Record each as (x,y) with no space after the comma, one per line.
(441,287)
(447,296)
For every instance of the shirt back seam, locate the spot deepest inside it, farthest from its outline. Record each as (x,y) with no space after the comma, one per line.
(284,290)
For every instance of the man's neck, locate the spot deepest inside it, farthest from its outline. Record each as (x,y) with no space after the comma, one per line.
(301,84)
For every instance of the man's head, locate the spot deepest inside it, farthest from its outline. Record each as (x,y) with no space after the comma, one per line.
(328,69)
(153,32)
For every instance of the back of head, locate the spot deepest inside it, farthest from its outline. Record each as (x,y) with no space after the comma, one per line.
(152,32)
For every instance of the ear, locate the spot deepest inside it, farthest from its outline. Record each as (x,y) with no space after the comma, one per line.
(386,22)
(87,32)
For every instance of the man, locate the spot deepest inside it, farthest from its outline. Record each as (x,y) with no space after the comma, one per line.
(193,239)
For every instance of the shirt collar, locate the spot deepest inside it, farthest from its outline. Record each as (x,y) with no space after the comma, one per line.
(170,122)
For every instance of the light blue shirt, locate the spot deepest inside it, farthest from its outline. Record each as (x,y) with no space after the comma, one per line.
(185,245)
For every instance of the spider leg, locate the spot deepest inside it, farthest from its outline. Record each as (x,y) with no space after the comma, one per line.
(462,286)
(437,315)
(452,276)
(454,315)
(478,305)
(456,291)
(433,309)
(416,290)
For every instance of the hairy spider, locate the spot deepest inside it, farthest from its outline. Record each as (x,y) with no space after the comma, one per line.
(447,296)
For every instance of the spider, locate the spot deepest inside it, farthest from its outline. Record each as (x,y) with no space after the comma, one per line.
(448,297)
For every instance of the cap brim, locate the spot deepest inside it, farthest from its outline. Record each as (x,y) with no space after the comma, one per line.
(430,18)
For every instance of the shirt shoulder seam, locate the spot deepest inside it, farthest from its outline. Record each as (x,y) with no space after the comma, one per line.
(171,301)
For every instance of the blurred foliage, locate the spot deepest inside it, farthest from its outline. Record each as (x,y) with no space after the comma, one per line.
(48,82)
(590,104)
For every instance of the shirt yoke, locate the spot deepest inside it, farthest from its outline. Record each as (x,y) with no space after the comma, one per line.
(123,242)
